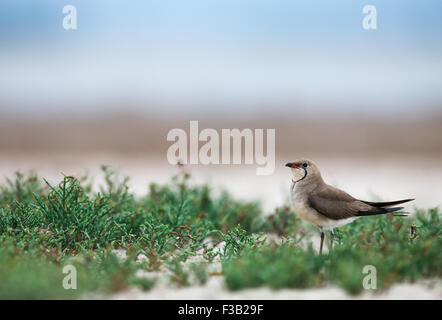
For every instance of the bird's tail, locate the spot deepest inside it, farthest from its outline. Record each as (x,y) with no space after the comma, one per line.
(386,204)
(376,211)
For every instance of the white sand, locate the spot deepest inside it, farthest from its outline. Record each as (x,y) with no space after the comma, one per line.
(214,289)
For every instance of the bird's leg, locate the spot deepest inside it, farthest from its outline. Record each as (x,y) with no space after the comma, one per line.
(332,238)
(322,240)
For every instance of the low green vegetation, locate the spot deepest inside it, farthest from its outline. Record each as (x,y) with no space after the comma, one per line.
(45,227)
(400,249)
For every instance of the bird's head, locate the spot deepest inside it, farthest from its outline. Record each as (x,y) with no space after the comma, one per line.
(303,170)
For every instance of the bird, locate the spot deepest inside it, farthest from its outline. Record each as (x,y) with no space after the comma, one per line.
(328,207)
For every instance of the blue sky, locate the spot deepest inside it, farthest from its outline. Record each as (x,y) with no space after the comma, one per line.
(234,53)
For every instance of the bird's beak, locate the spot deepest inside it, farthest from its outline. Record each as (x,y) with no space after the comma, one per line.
(291,165)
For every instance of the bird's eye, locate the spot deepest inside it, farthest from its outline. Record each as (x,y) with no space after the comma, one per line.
(305,164)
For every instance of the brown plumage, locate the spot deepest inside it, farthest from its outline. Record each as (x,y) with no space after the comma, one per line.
(336,204)
(325,206)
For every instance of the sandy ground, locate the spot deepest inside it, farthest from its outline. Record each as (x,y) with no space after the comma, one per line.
(215,290)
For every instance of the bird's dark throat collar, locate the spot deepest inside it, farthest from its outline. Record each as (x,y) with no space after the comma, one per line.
(305,175)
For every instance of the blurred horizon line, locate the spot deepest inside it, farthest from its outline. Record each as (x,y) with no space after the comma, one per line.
(127,133)
(218,109)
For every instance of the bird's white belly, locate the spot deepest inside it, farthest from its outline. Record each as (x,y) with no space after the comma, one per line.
(330,223)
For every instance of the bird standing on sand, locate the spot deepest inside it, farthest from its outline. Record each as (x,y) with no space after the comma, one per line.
(325,206)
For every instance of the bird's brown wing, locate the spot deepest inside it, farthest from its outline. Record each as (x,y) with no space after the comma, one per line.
(336,204)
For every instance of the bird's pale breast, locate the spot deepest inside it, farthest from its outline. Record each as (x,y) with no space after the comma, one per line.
(303,210)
